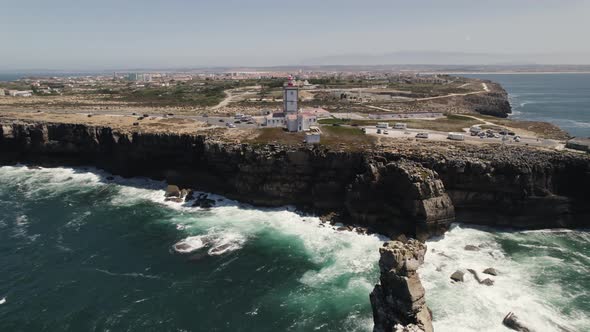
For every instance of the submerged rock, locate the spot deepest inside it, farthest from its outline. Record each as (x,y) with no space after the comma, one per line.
(471,247)
(174,199)
(512,322)
(487,281)
(189,195)
(491,271)
(204,202)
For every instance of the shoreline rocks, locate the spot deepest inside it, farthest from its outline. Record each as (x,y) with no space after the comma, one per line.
(511,321)
(491,271)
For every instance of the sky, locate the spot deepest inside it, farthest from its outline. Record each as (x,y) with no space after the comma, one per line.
(109,34)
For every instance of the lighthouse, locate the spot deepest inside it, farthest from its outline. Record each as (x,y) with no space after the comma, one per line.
(290,97)
(291,117)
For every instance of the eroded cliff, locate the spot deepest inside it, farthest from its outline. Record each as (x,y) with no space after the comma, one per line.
(416,190)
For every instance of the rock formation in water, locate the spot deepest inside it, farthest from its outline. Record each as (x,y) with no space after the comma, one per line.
(514,323)
(398,301)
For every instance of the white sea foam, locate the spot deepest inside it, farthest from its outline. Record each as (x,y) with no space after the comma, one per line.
(469,306)
(3,300)
(218,243)
(224,228)
(229,226)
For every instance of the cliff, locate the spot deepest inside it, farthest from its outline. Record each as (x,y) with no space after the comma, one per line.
(495,102)
(416,190)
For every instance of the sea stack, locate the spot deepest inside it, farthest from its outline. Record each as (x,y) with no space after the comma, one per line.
(399,302)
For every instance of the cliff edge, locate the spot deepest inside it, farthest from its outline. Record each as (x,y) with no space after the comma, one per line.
(415,188)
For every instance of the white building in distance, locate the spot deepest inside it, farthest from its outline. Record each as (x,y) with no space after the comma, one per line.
(17,93)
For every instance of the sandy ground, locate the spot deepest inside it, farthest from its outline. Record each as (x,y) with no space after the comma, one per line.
(119,122)
(438,136)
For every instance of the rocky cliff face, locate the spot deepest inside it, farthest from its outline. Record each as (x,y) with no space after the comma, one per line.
(516,187)
(399,302)
(415,191)
(390,196)
(494,103)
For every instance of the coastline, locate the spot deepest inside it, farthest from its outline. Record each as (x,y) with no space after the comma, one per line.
(410,192)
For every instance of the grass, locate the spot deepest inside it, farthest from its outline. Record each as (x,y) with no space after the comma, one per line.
(449,123)
(334,137)
(277,135)
(345,137)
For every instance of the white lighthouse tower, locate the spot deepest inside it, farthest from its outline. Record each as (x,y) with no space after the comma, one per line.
(290,97)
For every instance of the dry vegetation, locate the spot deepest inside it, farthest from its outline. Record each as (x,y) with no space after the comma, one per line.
(121,123)
(343,138)
(449,123)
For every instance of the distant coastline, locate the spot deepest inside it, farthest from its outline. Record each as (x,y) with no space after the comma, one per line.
(511,72)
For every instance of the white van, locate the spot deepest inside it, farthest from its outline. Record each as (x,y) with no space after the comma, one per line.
(456,136)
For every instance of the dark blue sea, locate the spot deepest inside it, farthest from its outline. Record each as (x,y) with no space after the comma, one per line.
(81,253)
(562,99)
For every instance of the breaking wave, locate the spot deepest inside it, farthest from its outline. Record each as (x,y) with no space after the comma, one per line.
(527,284)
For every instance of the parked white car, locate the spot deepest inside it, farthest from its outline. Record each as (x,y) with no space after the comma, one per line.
(422,135)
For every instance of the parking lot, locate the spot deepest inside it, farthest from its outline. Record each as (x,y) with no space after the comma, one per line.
(443,136)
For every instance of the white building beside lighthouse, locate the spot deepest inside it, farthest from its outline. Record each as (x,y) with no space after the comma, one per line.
(291,117)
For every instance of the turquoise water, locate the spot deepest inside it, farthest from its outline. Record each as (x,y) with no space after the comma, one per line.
(78,253)
(562,99)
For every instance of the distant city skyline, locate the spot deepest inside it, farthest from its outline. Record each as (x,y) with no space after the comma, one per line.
(84,35)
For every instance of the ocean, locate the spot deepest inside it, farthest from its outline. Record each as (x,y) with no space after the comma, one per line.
(562,99)
(81,253)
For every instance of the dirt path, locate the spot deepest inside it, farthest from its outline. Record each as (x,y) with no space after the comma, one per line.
(231,95)
(484,86)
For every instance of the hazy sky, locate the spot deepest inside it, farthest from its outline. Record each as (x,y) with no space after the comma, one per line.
(80,34)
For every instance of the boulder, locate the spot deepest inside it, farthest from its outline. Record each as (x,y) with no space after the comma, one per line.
(512,322)
(487,282)
(172,191)
(189,195)
(458,276)
(471,247)
(491,271)
(204,202)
